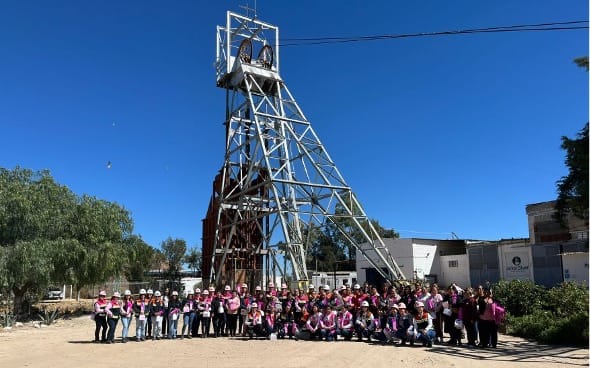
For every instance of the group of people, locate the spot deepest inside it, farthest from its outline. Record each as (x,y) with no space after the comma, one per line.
(405,315)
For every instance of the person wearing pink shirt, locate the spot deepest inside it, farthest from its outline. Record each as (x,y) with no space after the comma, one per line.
(188,314)
(126,315)
(233,307)
(345,322)
(328,324)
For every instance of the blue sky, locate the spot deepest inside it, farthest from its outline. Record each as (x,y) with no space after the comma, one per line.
(435,135)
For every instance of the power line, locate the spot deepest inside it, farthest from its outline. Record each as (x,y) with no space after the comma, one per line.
(552,26)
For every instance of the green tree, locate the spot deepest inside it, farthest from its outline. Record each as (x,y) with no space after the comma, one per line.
(193,259)
(582,62)
(140,258)
(101,227)
(174,250)
(572,189)
(48,234)
(344,221)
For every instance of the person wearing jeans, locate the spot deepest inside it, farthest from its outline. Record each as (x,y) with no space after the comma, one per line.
(126,314)
(188,315)
(174,306)
(141,311)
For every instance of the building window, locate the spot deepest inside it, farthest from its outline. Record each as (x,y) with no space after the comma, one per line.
(454,263)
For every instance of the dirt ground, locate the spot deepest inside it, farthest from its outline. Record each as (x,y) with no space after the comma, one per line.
(67,343)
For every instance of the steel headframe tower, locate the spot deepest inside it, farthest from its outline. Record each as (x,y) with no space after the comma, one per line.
(276,171)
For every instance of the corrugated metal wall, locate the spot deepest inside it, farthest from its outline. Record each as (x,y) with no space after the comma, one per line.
(484,266)
(547,264)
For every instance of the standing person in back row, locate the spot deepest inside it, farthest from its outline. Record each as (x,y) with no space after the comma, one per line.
(100,317)
(165,322)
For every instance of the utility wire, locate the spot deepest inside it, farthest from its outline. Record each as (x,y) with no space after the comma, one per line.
(553,26)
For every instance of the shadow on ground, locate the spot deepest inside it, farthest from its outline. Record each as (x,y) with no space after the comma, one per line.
(519,351)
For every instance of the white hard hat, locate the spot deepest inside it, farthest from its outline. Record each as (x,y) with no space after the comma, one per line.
(419,304)
(283,286)
(127,292)
(205,292)
(175,293)
(142,291)
(356,286)
(365,303)
(254,305)
(227,288)
(311,286)
(150,291)
(258,288)
(343,287)
(102,293)
(244,286)
(117,294)
(157,293)
(401,306)
(327,287)
(197,290)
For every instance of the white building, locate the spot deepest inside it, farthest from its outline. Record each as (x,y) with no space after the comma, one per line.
(433,260)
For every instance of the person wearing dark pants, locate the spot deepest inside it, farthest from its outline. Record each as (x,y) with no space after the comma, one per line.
(205,311)
(100,317)
(165,316)
(488,331)
(149,298)
(218,310)
(113,311)
(197,320)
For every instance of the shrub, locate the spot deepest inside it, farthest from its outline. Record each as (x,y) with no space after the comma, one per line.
(555,316)
(529,326)
(567,299)
(519,297)
(48,317)
(567,330)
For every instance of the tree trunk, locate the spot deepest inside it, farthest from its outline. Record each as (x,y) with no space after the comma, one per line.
(19,297)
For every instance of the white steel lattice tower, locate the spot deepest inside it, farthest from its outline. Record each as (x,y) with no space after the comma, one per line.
(277,180)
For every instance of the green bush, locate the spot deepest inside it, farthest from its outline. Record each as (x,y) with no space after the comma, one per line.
(567,330)
(555,316)
(529,326)
(519,297)
(567,299)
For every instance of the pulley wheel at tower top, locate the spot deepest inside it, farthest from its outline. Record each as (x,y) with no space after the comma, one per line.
(266,57)
(245,51)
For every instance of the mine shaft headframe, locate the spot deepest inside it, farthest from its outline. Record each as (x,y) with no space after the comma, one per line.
(240,40)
